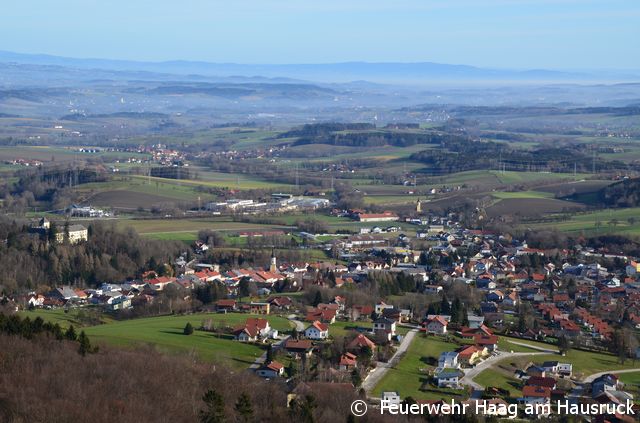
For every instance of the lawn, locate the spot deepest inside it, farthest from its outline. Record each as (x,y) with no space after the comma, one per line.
(499,378)
(504,344)
(408,375)
(165,333)
(76,317)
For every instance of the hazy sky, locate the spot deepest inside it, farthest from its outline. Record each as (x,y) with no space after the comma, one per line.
(495,33)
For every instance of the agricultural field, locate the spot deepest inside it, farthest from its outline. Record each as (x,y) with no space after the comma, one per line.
(610,221)
(165,334)
(183,226)
(53,154)
(531,206)
(131,192)
(503,195)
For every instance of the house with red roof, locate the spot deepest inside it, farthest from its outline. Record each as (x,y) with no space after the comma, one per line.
(359,343)
(436,325)
(226,305)
(299,347)
(348,361)
(488,341)
(254,328)
(317,331)
(324,316)
(282,303)
(545,382)
(532,395)
(271,370)
(469,354)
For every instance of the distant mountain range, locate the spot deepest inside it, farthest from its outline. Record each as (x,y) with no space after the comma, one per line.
(332,72)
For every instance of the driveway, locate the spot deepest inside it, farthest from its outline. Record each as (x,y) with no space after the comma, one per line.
(298,324)
(260,360)
(469,374)
(381,369)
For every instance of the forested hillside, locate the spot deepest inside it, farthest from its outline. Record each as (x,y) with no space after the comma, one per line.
(109,255)
(622,194)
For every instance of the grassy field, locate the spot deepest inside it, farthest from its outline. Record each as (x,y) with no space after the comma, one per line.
(505,344)
(500,378)
(408,376)
(165,334)
(60,154)
(76,317)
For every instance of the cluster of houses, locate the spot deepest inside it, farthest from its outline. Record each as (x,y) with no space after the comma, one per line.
(483,343)
(541,386)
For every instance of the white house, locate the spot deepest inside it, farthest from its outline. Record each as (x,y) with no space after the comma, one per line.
(271,370)
(384,327)
(565,369)
(36,301)
(436,325)
(448,359)
(433,289)
(391,398)
(449,378)
(317,331)
(381,306)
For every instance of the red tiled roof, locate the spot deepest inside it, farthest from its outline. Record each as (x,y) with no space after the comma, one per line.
(536,391)
(361,341)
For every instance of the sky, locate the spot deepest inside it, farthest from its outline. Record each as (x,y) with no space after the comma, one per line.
(514,34)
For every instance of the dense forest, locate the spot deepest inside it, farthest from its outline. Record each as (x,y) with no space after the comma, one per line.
(109,255)
(457,155)
(622,194)
(378,138)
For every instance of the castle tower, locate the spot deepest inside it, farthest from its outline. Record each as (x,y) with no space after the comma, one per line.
(273,266)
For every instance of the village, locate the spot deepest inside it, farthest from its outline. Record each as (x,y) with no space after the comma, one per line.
(485,298)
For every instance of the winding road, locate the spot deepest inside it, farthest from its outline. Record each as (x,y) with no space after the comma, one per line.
(469,374)
(591,378)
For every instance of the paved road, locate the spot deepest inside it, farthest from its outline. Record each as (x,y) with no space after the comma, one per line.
(469,374)
(381,369)
(533,347)
(590,378)
(299,325)
(258,362)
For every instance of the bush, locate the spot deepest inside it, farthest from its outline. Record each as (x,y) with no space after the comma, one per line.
(188,329)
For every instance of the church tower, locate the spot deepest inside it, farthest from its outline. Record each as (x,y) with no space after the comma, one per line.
(273,266)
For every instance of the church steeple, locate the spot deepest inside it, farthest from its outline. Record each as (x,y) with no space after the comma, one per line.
(273,266)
